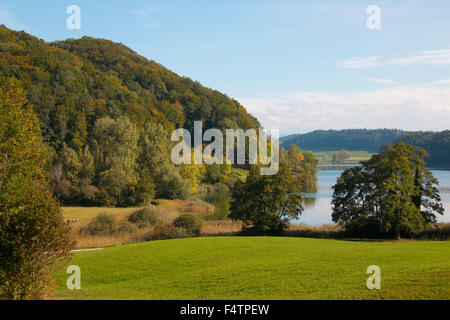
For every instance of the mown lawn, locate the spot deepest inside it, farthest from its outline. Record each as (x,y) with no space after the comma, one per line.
(261,268)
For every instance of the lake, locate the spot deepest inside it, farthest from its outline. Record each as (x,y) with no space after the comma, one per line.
(318,205)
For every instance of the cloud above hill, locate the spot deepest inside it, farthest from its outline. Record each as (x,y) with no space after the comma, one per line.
(430,57)
(408,108)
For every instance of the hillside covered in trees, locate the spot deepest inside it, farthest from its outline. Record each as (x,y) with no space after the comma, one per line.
(107,113)
(437,144)
(349,139)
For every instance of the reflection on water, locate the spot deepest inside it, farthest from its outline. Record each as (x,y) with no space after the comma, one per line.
(318,205)
(220,198)
(309,202)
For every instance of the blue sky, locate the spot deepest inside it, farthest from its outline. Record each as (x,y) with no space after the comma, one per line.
(296,65)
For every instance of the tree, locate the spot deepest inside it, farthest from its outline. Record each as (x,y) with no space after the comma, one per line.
(309,182)
(304,168)
(33,235)
(171,185)
(265,204)
(115,153)
(340,156)
(393,193)
(96,94)
(193,173)
(156,166)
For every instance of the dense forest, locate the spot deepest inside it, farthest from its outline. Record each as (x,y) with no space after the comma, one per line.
(349,139)
(437,144)
(106,114)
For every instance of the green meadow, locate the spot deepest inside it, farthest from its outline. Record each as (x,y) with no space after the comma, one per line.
(260,268)
(326,157)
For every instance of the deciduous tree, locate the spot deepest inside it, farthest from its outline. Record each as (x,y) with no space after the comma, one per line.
(33,235)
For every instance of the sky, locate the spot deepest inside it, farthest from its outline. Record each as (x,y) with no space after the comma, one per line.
(297,66)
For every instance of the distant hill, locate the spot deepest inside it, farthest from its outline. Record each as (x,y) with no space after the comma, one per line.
(349,139)
(437,144)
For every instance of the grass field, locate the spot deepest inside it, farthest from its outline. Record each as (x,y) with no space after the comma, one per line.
(86,214)
(326,157)
(261,268)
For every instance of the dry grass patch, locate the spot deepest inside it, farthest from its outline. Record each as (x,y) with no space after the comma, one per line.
(221,227)
(166,212)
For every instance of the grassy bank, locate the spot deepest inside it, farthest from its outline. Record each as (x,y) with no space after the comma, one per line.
(261,268)
(326,157)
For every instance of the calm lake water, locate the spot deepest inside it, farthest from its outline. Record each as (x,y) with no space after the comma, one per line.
(318,206)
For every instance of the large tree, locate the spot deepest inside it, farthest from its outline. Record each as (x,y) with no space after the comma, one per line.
(393,193)
(115,150)
(266,203)
(33,235)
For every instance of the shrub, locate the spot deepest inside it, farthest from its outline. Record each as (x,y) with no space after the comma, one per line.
(165,231)
(170,185)
(143,218)
(440,232)
(33,235)
(192,224)
(101,225)
(127,227)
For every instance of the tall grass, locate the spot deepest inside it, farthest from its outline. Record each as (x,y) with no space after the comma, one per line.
(331,231)
(325,231)
(165,213)
(221,228)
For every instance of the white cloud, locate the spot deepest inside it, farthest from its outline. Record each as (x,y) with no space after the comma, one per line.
(146,18)
(9,19)
(435,57)
(409,108)
(360,63)
(440,82)
(383,81)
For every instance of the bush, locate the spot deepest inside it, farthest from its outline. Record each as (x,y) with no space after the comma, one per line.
(143,218)
(170,185)
(440,232)
(165,231)
(127,227)
(192,224)
(33,235)
(101,225)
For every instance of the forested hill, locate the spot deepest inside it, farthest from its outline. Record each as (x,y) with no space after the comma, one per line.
(180,99)
(72,83)
(107,114)
(349,139)
(437,144)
